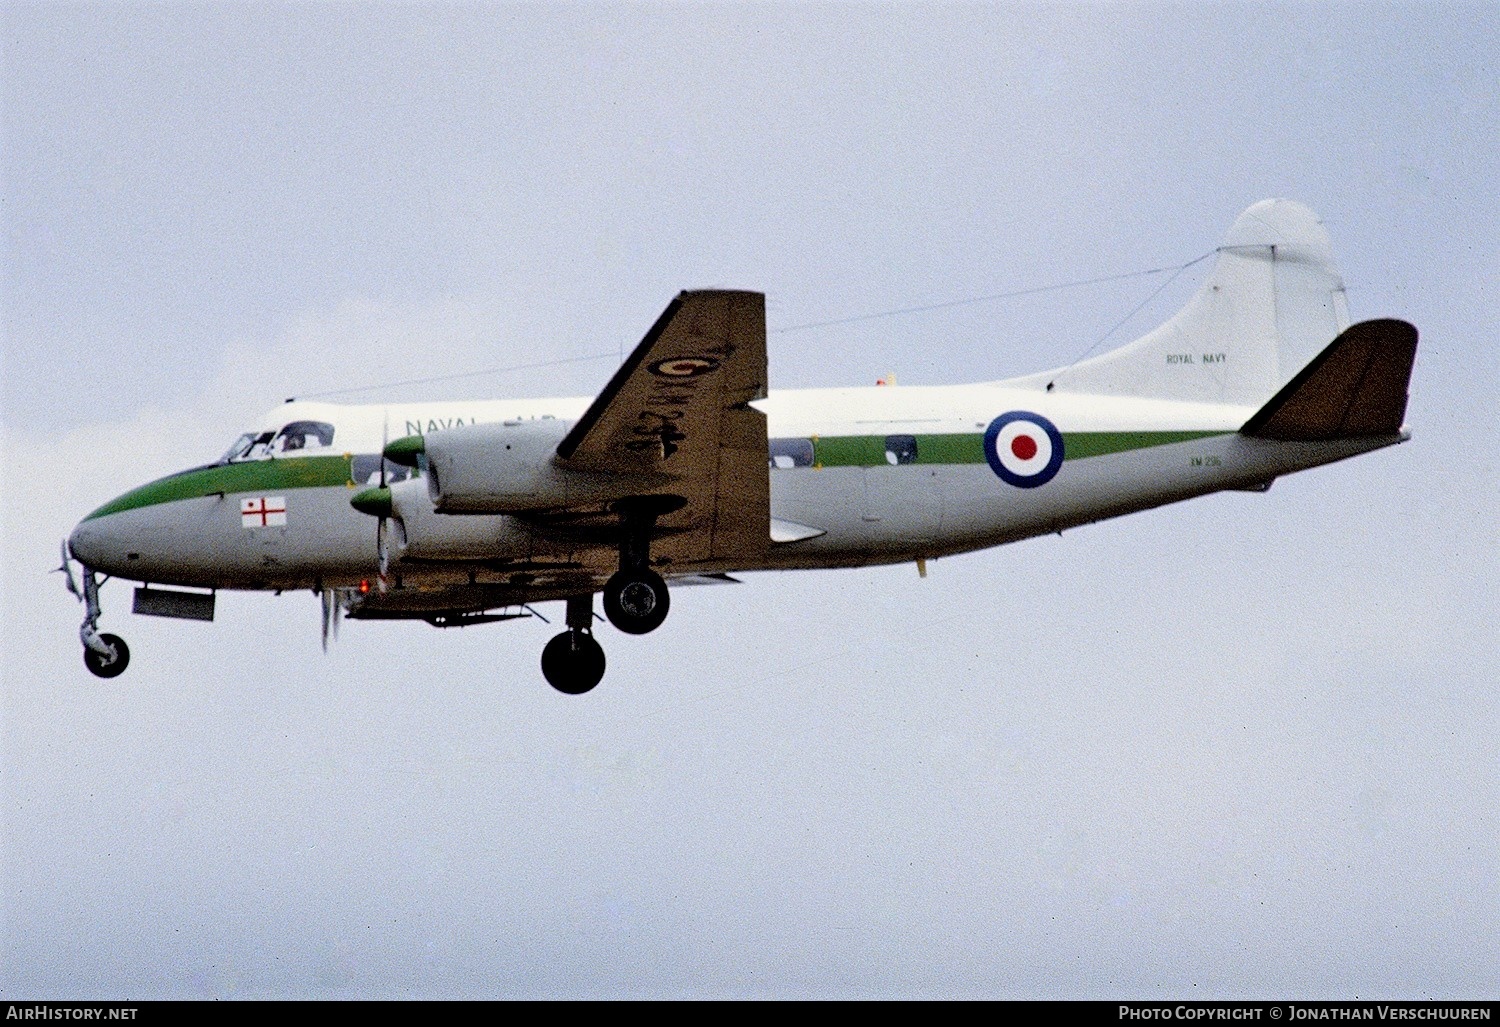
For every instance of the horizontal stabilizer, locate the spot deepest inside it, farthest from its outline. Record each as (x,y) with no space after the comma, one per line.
(1355,388)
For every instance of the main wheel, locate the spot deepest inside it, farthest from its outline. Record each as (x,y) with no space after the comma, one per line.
(99,666)
(573,662)
(636,601)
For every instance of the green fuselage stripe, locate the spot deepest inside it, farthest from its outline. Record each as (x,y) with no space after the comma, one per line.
(966,448)
(300,472)
(305,472)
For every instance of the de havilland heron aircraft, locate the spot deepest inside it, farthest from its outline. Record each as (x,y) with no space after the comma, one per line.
(687,468)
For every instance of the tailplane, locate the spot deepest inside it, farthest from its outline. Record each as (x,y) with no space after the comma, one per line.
(1355,388)
(1272,302)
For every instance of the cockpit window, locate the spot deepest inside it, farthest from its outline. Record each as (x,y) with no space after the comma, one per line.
(240,447)
(303,435)
(294,439)
(250,446)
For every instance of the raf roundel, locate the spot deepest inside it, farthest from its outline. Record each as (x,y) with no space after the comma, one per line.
(683,367)
(1023,448)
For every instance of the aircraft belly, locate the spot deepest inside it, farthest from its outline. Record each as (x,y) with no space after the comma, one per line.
(984,511)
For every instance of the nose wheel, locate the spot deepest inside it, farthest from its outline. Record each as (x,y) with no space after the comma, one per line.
(103,666)
(105,655)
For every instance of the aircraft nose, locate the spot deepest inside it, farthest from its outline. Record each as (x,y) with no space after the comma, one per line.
(95,544)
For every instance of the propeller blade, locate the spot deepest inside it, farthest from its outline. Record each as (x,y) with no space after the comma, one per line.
(67,569)
(385,439)
(382,548)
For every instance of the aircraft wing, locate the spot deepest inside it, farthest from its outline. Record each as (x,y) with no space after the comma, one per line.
(679,408)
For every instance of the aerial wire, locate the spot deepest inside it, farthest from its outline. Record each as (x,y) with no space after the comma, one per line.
(1016,294)
(456,377)
(1175,269)
(1142,304)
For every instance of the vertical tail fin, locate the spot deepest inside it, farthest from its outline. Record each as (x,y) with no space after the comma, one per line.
(1273,301)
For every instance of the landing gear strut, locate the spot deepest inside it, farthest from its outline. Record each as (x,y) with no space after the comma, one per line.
(573,662)
(105,655)
(635,597)
(635,600)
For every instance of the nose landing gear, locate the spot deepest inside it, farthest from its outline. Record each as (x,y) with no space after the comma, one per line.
(105,655)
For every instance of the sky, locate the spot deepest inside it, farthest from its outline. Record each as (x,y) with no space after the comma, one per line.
(1241,747)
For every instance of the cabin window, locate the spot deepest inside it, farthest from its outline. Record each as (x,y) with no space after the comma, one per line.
(303,435)
(900,449)
(791,453)
(365,470)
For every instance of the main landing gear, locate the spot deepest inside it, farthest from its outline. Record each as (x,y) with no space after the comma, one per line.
(635,596)
(573,662)
(635,601)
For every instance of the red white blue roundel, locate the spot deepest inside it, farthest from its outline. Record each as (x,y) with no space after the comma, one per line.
(683,367)
(1023,448)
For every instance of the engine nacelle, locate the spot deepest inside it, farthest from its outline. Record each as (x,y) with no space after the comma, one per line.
(511,467)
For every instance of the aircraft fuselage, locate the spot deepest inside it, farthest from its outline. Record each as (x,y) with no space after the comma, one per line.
(882,475)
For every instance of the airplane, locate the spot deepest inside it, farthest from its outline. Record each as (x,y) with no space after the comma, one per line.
(687,469)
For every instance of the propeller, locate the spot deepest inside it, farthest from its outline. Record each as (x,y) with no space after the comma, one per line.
(67,569)
(331,609)
(382,532)
(376,501)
